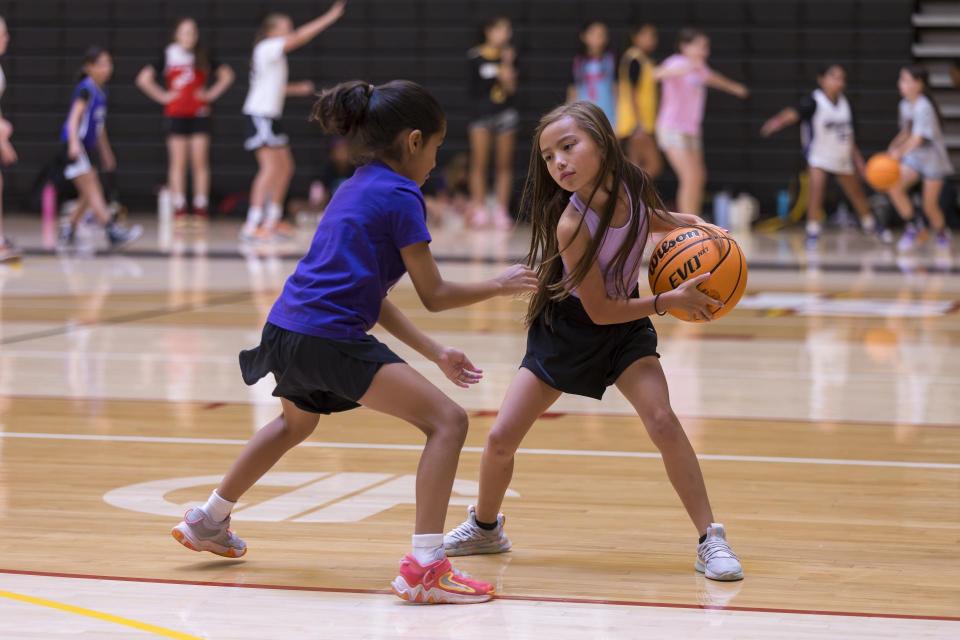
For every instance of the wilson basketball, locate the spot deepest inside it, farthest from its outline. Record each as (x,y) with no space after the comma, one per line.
(882,171)
(691,251)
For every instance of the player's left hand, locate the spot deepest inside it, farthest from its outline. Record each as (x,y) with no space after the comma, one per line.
(457,367)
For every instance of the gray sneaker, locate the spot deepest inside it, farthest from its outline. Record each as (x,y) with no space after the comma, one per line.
(715,559)
(469,539)
(199,533)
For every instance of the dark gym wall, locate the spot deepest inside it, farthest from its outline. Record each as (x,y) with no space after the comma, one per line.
(774,46)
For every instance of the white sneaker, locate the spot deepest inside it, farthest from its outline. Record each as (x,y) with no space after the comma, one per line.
(715,559)
(469,539)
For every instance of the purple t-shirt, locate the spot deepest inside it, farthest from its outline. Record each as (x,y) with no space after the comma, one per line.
(354,258)
(683,97)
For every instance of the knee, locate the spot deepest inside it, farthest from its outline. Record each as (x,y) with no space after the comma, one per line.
(663,426)
(499,444)
(451,422)
(294,433)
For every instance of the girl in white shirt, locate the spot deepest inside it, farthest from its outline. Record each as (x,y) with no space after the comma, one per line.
(264,108)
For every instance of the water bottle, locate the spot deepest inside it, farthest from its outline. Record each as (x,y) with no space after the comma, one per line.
(783,204)
(48,215)
(164,218)
(721,209)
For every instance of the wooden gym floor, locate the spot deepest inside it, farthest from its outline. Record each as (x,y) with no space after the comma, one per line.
(825,410)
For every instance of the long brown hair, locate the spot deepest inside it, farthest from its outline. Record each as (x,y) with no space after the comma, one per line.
(201,56)
(544,201)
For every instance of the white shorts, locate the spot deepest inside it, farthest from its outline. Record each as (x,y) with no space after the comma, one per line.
(673,139)
(836,166)
(73,169)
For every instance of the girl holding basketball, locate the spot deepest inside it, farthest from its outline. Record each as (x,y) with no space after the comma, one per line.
(592,213)
(922,153)
(316,341)
(829,148)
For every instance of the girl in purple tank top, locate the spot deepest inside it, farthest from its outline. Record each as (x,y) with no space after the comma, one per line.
(589,327)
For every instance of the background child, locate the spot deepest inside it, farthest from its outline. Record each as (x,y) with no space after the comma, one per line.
(922,152)
(264,108)
(84,135)
(829,147)
(594,71)
(8,155)
(685,77)
(185,68)
(637,100)
(493,84)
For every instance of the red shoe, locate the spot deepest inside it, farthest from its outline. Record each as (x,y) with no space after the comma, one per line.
(438,583)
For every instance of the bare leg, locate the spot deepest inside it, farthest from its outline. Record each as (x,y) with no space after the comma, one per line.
(818,184)
(687,164)
(399,390)
(853,189)
(177,151)
(266,447)
(479,158)
(645,386)
(91,194)
(526,400)
(503,162)
(898,193)
(931,204)
(200,165)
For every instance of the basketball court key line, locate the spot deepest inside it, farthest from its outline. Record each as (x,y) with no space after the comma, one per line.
(901,464)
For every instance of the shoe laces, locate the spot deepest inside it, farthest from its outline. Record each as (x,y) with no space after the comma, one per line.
(465,531)
(716,548)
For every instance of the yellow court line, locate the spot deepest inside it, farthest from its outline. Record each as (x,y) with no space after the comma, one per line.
(99,615)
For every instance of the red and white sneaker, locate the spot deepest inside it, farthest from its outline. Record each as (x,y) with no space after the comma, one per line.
(438,583)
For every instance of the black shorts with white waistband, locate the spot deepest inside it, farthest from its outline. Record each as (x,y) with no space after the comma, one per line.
(574,355)
(318,375)
(264,132)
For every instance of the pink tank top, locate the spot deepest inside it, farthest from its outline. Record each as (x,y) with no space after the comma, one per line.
(612,241)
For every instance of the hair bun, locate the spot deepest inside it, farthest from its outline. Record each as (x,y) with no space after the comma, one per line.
(343,108)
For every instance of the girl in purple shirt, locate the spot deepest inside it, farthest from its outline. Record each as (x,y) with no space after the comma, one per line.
(316,341)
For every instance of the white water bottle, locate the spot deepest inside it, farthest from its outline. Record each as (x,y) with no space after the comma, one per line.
(164,218)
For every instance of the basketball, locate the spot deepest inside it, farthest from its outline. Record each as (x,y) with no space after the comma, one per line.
(688,252)
(882,171)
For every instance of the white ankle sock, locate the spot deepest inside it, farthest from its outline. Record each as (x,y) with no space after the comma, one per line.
(428,548)
(254,218)
(813,228)
(200,202)
(274,213)
(178,200)
(868,223)
(217,508)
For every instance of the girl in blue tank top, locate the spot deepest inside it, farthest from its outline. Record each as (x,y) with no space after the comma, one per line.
(316,342)
(589,327)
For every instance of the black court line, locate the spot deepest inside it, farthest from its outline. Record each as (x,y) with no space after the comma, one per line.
(754,265)
(147,314)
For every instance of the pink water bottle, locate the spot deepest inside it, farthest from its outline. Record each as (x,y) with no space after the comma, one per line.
(48,207)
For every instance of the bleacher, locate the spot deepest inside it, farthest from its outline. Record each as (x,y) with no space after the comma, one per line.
(774,46)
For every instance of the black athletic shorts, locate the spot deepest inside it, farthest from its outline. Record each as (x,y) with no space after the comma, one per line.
(188,126)
(574,355)
(318,375)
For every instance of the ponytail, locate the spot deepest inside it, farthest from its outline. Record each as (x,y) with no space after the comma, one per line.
(918,72)
(371,118)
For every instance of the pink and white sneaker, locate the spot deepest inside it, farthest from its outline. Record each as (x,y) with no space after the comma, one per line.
(438,583)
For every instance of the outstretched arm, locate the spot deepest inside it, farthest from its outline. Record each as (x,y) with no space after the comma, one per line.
(312,29)
(453,362)
(438,294)
(782,120)
(723,83)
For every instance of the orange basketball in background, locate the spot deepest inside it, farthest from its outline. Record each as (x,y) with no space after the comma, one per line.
(688,252)
(882,171)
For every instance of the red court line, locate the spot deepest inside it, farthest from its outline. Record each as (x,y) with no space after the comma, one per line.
(621,603)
